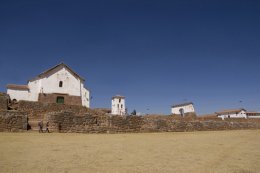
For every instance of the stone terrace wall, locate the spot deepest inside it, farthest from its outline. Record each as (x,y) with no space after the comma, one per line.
(3,101)
(69,122)
(173,124)
(118,124)
(66,118)
(37,111)
(13,121)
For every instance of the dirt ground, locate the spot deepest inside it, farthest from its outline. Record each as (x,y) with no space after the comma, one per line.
(191,152)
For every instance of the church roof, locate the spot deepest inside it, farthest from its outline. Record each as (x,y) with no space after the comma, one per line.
(19,87)
(55,67)
(182,104)
(118,96)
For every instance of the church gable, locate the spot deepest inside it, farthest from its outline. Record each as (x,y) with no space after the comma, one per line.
(56,69)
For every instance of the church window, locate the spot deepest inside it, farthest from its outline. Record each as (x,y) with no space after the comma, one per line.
(60,100)
(60,84)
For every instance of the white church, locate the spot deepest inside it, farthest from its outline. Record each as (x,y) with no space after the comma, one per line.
(181,109)
(118,105)
(59,84)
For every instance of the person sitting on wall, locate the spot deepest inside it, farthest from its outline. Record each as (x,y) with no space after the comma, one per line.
(47,127)
(40,124)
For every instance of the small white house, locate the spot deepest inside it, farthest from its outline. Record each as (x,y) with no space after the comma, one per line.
(118,105)
(59,84)
(181,109)
(233,113)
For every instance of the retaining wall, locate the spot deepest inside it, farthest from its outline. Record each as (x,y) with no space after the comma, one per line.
(69,122)
(13,121)
(37,111)
(3,101)
(78,119)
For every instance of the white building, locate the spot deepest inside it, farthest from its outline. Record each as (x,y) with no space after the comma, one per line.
(181,109)
(118,105)
(59,84)
(253,114)
(233,113)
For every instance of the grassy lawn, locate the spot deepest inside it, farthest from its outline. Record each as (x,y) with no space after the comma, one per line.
(191,152)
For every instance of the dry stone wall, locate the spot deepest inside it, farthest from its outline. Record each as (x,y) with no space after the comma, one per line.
(13,121)
(69,122)
(37,111)
(78,119)
(3,101)
(118,124)
(68,99)
(170,124)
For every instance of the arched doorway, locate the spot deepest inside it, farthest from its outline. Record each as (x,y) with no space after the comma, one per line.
(181,112)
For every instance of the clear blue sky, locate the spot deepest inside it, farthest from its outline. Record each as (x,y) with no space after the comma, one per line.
(156,53)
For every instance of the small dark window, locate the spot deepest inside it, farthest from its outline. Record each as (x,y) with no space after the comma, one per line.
(119,100)
(121,106)
(60,84)
(60,100)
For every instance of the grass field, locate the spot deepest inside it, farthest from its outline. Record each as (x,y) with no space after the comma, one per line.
(193,152)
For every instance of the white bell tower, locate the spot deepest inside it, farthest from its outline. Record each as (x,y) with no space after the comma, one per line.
(118,105)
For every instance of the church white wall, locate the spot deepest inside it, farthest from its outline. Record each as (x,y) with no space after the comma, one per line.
(118,106)
(70,84)
(186,108)
(18,94)
(85,97)
(34,87)
(257,116)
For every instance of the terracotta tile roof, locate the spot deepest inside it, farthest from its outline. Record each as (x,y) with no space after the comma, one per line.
(231,111)
(19,87)
(251,112)
(118,96)
(53,68)
(182,104)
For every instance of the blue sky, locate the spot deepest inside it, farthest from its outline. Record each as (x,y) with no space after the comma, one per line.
(156,53)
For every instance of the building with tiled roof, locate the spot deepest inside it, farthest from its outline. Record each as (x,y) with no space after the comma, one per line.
(232,113)
(183,108)
(59,84)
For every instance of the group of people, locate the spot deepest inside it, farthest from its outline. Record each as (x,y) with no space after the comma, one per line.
(40,124)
